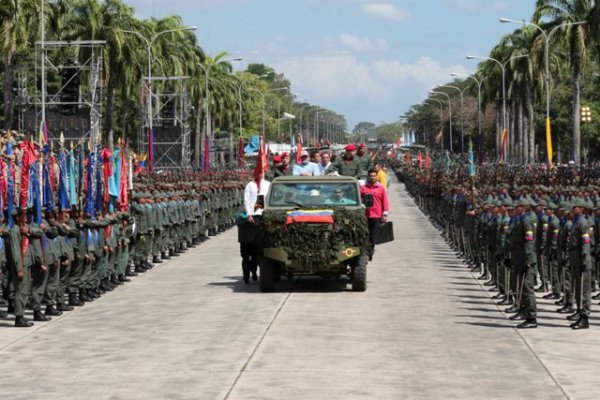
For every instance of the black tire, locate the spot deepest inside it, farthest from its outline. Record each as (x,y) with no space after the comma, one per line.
(267,275)
(359,274)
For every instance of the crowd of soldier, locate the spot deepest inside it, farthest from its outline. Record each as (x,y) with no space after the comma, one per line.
(71,257)
(523,239)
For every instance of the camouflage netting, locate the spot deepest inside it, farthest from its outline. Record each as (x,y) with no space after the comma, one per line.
(309,243)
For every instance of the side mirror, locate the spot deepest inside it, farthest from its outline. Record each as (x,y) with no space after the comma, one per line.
(367,200)
(260,201)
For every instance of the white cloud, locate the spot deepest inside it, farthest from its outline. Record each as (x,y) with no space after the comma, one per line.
(356,43)
(384,11)
(481,5)
(426,72)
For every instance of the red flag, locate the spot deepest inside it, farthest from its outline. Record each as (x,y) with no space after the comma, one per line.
(299,150)
(28,158)
(407,158)
(261,160)
(106,162)
(419,158)
(503,145)
(241,155)
(123,180)
(427,161)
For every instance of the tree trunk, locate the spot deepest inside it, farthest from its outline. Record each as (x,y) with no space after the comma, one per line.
(9,103)
(108,117)
(511,132)
(523,136)
(531,129)
(198,137)
(576,107)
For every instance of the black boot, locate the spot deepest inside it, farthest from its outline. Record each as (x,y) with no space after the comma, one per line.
(123,279)
(64,307)
(39,316)
(528,324)
(11,307)
(130,272)
(560,302)
(574,317)
(51,310)
(156,260)
(566,309)
(21,322)
(83,296)
(506,302)
(551,296)
(582,323)
(512,309)
(164,256)
(75,301)
(518,317)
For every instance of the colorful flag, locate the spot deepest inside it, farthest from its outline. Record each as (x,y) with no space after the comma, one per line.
(428,160)
(503,145)
(43,134)
(299,150)
(471,159)
(309,216)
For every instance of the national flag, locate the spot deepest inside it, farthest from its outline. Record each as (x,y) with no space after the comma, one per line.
(299,150)
(43,134)
(503,145)
(310,216)
(471,159)
(261,160)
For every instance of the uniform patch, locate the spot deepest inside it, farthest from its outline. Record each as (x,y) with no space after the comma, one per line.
(529,235)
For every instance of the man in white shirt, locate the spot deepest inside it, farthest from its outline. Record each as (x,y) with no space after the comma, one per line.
(305,167)
(249,251)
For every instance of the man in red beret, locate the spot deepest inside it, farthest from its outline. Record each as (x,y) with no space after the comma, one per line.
(285,159)
(277,169)
(347,165)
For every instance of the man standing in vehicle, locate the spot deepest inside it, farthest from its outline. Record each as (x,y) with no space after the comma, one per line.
(380,210)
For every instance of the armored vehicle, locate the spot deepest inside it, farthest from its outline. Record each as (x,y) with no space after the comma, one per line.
(314,225)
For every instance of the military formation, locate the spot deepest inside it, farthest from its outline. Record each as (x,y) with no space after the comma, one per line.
(526,229)
(77,224)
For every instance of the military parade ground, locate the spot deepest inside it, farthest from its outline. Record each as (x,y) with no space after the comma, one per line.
(191,329)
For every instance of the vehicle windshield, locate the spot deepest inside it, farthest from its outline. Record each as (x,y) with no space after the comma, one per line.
(313,195)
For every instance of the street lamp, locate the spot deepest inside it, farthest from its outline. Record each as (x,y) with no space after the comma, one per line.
(462,137)
(302,109)
(503,69)
(278,106)
(547,68)
(262,95)
(479,82)
(449,113)
(149,43)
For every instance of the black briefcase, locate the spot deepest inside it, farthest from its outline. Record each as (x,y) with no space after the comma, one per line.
(384,233)
(248,232)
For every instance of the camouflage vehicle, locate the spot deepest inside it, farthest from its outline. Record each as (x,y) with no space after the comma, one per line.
(314,225)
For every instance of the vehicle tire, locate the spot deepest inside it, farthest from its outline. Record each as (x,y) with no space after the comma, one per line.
(359,274)
(267,275)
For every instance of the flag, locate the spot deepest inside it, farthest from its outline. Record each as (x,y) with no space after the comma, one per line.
(549,142)
(309,216)
(419,159)
(503,145)
(63,196)
(261,160)
(10,185)
(471,159)
(447,162)
(428,160)
(241,155)
(150,150)
(206,159)
(26,161)
(123,195)
(43,134)
(440,136)
(252,146)
(299,150)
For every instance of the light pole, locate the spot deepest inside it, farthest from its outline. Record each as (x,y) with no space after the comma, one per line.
(262,95)
(149,43)
(302,109)
(462,136)
(503,69)
(308,119)
(547,68)
(278,106)
(449,113)
(479,82)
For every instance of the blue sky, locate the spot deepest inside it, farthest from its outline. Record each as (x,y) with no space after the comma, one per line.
(369,60)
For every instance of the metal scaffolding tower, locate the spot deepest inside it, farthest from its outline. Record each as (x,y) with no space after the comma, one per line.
(69,109)
(171,127)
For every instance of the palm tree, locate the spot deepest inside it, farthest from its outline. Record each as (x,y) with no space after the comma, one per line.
(18,19)
(552,13)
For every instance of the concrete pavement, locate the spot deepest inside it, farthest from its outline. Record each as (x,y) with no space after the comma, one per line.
(191,329)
